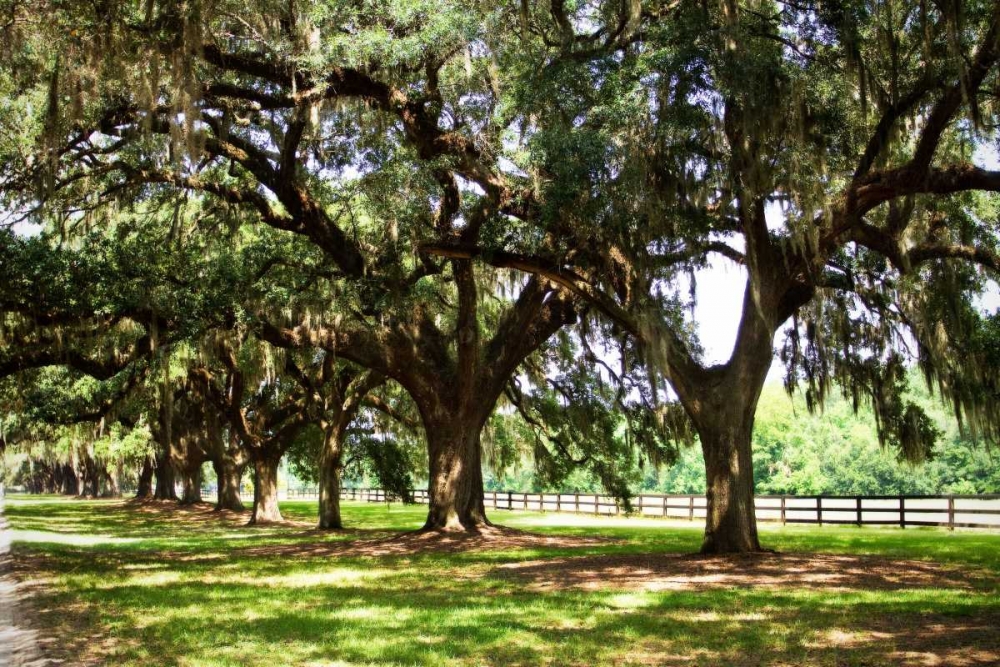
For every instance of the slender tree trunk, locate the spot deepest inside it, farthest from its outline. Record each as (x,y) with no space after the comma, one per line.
(229,474)
(265,491)
(165,479)
(144,490)
(191,485)
(329,480)
(456,479)
(730,525)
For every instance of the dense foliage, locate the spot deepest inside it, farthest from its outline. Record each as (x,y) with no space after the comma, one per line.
(253,215)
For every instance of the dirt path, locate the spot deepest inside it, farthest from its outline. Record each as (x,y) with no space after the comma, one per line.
(18,643)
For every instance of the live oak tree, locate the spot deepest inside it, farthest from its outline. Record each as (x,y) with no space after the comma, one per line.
(270,399)
(364,431)
(433,152)
(281,100)
(827,150)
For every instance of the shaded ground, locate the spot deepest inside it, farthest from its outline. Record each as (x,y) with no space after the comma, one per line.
(683,572)
(148,584)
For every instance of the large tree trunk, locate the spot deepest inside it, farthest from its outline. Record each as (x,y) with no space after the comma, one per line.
(70,484)
(112,487)
(49,483)
(456,479)
(229,474)
(265,490)
(144,489)
(90,480)
(165,479)
(191,485)
(730,524)
(329,480)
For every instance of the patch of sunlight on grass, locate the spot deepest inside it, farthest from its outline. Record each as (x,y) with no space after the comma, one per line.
(160,578)
(69,539)
(631,600)
(705,617)
(336,577)
(398,616)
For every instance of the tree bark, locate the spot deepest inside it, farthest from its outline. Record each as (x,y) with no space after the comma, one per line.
(144,489)
(70,484)
(80,475)
(165,479)
(191,486)
(730,524)
(265,491)
(456,479)
(90,479)
(329,480)
(112,487)
(229,475)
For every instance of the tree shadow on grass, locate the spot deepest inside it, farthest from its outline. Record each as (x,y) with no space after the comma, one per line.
(401,618)
(371,595)
(654,572)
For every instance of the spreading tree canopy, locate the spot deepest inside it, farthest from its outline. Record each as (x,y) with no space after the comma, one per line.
(465,180)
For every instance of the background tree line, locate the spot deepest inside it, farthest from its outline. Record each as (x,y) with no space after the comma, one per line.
(836,452)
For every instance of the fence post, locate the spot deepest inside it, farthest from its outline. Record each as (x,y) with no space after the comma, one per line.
(690,508)
(597,504)
(951,512)
(902,512)
(664,499)
(783,519)
(576,502)
(819,509)
(558,502)
(510,500)
(857,506)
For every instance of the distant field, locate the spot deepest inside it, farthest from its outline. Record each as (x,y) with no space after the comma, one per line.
(125,584)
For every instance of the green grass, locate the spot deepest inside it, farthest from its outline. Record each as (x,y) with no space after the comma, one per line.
(128,586)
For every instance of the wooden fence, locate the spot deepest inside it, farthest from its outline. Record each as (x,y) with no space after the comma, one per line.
(958,511)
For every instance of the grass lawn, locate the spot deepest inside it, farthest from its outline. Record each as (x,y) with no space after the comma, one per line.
(128,584)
